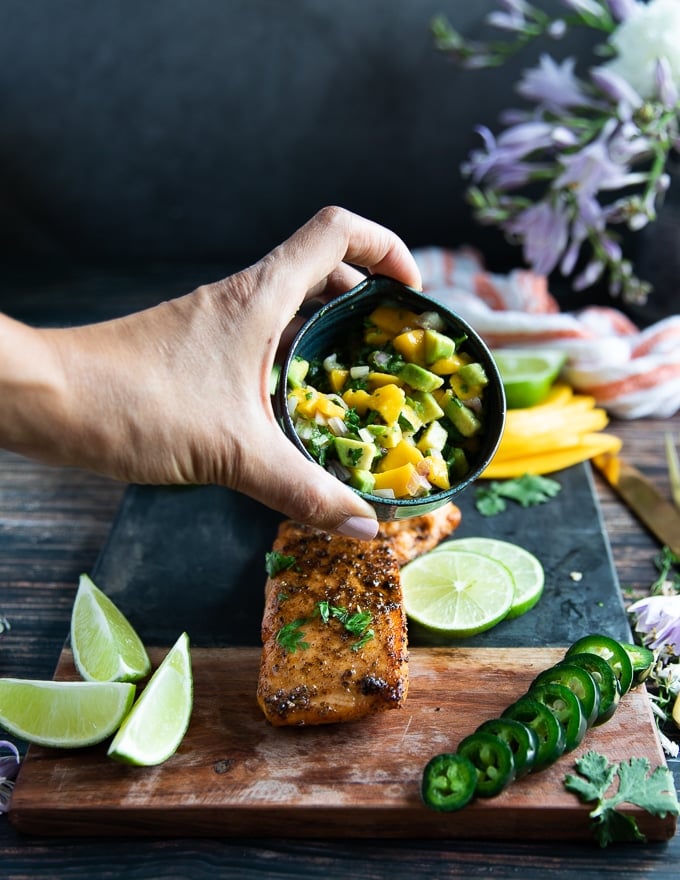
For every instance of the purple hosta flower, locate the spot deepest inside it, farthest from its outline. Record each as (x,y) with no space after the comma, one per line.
(9,767)
(617,89)
(502,161)
(543,229)
(554,86)
(668,90)
(657,620)
(588,222)
(593,169)
(512,19)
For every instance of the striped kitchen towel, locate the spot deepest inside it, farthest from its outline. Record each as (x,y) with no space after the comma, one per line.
(632,373)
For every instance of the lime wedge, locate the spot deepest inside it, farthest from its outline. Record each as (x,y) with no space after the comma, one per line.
(457,592)
(526,570)
(156,725)
(63,714)
(105,645)
(527,376)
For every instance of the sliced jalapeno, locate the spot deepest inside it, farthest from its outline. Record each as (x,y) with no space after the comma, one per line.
(578,680)
(566,707)
(522,740)
(642,660)
(607,682)
(448,782)
(545,725)
(612,651)
(492,758)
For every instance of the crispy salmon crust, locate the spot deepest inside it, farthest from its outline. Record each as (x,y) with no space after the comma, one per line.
(316,670)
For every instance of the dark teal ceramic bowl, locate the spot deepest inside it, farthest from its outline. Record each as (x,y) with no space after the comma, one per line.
(332,323)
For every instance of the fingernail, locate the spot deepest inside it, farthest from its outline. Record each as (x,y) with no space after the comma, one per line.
(363,527)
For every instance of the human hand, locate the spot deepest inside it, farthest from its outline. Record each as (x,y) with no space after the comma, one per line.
(179,394)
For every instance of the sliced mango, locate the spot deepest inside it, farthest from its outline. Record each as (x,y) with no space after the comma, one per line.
(549,461)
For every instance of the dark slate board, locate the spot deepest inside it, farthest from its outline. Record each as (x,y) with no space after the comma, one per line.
(193,559)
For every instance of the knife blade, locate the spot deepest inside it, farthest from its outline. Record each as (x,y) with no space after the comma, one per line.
(643,498)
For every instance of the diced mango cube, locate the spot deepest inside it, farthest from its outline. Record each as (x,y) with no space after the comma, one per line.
(437,471)
(401,454)
(388,402)
(404,481)
(329,408)
(376,337)
(337,378)
(386,436)
(411,346)
(392,319)
(448,365)
(357,399)
(305,401)
(377,380)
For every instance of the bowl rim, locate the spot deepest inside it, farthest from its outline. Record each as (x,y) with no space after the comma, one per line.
(382,285)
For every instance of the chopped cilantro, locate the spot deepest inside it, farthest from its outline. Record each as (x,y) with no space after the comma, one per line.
(276,562)
(352,421)
(291,636)
(527,491)
(357,624)
(654,793)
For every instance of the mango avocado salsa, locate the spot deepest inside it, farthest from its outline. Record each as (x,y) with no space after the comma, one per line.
(397,411)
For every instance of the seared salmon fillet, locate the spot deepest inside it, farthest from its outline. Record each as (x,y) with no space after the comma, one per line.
(334,627)
(411,537)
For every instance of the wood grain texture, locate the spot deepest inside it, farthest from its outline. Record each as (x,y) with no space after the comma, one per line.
(235,775)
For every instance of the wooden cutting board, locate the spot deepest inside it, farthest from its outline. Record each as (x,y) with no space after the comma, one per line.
(235,776)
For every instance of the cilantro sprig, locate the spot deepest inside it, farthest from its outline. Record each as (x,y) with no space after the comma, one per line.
(528,491)
(275,562)
(654,793)
(358,624)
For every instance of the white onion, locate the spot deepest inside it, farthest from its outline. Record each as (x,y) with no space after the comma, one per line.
(337,426)
(383,493)
(360,372)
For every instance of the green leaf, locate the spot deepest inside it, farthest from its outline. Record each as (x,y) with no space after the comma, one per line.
(654,793)
(276,562)
(527,491)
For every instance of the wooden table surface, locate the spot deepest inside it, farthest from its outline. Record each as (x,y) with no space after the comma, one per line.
(53,524)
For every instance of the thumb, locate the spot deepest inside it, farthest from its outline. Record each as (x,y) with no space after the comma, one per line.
(282,478)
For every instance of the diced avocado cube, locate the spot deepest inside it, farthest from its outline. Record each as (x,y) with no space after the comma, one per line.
(362,480)
(297,372)
(433,437)
(458,463)
(462,417)
(426,406)
(419,378)
(474,374)
(438,346)
(355,453)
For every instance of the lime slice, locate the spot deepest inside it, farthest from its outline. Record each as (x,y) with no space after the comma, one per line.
(526,570)
(156,725)
(64,714)
(105,645)
(458,592)
(527,376)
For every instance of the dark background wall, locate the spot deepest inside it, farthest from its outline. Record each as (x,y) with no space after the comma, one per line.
(210,129)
